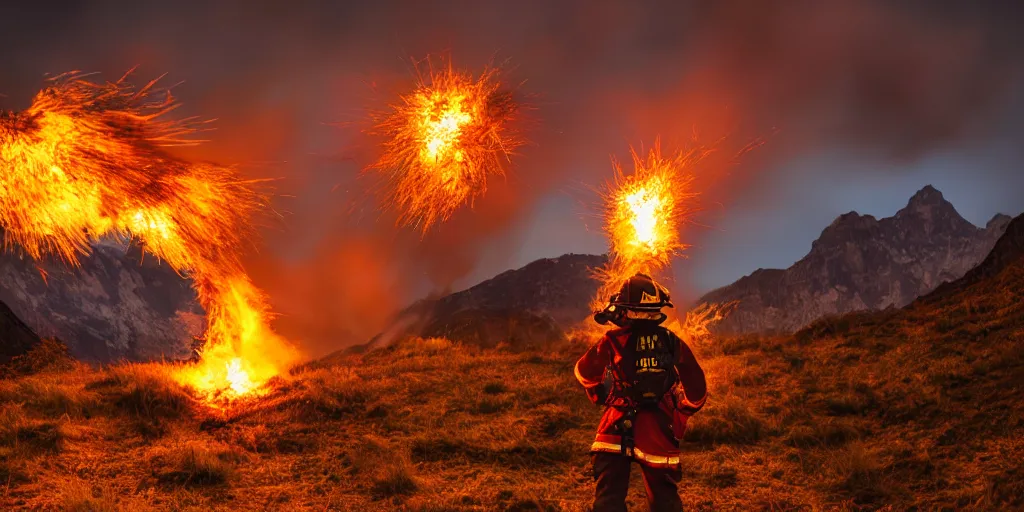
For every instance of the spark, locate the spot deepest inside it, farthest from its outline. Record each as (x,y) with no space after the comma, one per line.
(443,141)
(643,213)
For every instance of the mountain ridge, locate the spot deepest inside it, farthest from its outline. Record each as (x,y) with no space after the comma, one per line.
(117,304)
(860,262)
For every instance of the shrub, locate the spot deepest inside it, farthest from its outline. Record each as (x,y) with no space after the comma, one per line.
(859,472)
(397,480)
(196,465)
(50,354)
(147,391)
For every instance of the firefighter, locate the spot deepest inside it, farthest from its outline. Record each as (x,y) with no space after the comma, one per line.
(656,385)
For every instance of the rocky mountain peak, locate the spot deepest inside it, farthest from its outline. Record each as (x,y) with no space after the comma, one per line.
(928,211)
(862,263)
(846,227)
(998,222)
(927,196)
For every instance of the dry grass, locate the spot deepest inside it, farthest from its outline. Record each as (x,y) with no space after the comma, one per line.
(194,464)
(80,496)
(889,411)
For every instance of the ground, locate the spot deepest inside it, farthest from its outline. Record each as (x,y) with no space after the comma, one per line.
(901,410)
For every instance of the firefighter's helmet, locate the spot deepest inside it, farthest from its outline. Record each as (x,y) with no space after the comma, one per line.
(641,293)
(640,298)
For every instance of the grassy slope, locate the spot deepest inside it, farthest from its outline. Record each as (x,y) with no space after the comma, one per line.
(902,409)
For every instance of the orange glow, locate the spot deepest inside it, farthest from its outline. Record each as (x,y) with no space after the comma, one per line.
(442,142)
(696,325)
(86,161)
(642,213)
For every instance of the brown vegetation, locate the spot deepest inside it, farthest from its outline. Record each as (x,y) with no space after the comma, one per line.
(910,409)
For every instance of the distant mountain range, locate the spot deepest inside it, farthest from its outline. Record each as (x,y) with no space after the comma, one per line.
(858,263)
(117,305)
(862,263)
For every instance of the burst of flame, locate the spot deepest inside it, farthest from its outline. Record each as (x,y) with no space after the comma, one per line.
(443,141)
(696,325)
(642,216)
(87,160)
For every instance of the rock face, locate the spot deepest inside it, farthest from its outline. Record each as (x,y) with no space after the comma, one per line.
(518,307)
(861,263)
(118,305)
(16,338)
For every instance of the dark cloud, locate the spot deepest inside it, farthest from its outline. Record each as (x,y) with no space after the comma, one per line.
(290,82)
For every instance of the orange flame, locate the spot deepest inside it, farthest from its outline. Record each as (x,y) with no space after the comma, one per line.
(697,323)
(443,141)
(642,213)
(86,161)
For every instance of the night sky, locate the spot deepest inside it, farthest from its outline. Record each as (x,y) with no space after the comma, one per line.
(858,103)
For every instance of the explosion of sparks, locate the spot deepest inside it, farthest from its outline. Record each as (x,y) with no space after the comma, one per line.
(86,160)
(443,141)
(642,213)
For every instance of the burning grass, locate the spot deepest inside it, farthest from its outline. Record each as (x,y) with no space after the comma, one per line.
(443,141)
(88,160)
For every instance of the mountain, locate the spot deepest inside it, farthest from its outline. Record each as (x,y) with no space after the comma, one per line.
(902,409)
(862,263)
(16,338)
(536,302)
(118,304)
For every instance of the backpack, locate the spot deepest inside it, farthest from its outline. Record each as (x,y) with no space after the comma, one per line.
(654,371)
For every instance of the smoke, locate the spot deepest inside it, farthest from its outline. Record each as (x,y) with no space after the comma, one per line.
(898,77)
(290,84)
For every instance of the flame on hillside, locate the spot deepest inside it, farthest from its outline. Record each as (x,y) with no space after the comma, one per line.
(87,160)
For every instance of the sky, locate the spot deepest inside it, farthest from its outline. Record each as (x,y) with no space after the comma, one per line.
(855,104)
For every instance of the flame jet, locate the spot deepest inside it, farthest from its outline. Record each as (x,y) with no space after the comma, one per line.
(442,141)
(642,216)
(88,160)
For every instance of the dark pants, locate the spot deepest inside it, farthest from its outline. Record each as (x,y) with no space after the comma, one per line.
(611,472)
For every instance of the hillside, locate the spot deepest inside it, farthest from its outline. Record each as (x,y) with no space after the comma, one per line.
(858,263)
(117,305)
(862,263)
(549,295)
(910,409)
(16,338)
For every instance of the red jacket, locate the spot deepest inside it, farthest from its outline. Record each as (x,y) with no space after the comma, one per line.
(656,432)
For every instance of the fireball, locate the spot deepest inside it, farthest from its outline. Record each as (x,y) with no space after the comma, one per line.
(88,160)
(643,212)
(442,142)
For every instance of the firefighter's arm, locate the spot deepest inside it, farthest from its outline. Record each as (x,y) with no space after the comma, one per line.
(590,371)
(693,388)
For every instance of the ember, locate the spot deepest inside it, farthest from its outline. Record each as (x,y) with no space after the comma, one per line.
(443,141)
